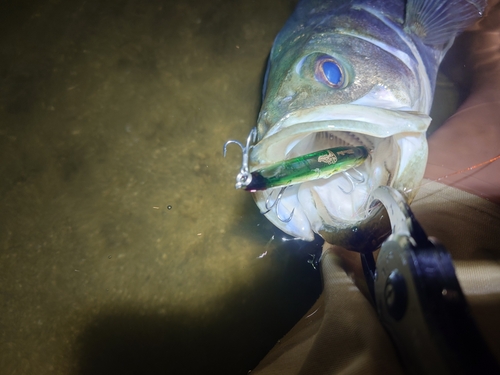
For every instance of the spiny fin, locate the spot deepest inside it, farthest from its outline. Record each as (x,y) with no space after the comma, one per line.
(436,22)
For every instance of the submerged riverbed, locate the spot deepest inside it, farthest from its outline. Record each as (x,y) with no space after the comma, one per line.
(124,247)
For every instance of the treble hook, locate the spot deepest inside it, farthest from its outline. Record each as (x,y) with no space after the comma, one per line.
(276,206)
(353,180)
(243,178)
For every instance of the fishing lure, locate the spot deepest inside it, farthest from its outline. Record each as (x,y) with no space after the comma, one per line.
(315,165)
(309,167)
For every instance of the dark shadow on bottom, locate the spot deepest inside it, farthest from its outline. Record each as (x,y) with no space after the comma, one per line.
(249,322)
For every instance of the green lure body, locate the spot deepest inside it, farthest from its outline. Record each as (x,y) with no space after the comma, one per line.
(313,166)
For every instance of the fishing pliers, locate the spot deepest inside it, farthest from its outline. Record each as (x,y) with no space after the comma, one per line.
(419,301)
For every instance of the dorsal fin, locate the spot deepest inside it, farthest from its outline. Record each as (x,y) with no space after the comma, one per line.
(436,22)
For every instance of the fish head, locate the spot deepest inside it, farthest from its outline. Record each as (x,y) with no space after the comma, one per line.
(336,86)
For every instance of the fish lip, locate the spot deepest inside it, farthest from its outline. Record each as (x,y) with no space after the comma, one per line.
(371,121)
(385,124)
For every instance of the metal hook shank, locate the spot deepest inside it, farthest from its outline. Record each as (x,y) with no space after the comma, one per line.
(243,178)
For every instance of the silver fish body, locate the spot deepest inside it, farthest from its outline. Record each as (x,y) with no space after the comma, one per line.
(352,73)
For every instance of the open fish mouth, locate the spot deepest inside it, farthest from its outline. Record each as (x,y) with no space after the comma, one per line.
(382,59)
(395,140)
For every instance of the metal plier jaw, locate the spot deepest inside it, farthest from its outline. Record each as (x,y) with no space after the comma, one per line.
(419,300)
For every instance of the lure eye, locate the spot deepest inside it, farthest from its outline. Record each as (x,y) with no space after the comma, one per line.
(330,72)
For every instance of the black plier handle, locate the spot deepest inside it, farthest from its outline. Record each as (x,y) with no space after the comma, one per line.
(419,300)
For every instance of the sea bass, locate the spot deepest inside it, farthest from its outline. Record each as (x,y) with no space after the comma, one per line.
(347,74)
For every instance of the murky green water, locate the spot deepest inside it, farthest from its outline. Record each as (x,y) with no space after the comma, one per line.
(110,113)
(124,247)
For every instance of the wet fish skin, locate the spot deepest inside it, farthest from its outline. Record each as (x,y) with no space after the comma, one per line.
(387,53)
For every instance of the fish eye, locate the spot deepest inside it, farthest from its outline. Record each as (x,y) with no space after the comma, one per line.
(329,71)
(332,72)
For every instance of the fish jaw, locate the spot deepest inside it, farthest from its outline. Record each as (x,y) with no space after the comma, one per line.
(398,155)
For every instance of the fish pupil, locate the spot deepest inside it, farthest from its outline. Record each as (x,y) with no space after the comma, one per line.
(332,72)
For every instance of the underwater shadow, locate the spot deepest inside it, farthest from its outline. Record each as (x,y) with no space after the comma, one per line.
(247,323)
